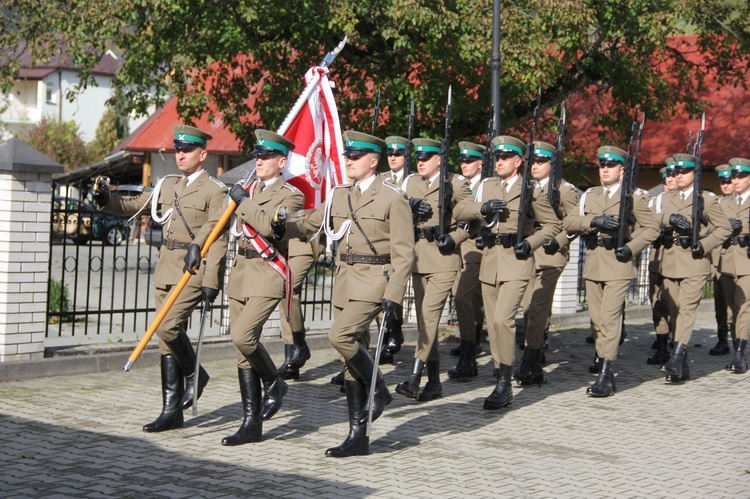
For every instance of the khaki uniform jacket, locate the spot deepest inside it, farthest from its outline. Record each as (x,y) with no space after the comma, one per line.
(429,259)
(469,251)
(202,204)
(253,276)
(601,264)
(734,260)
(388,177)
(657,251)
(500,264)
(568,204)
(385,217)
(678,262)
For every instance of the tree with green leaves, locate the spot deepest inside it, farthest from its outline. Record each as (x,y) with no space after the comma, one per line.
(224,52)
(60,140)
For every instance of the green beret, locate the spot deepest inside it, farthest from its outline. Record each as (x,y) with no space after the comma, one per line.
(724,171)
(424,148)
(396,143)
(471,151)
(505,145)
(684,161)
(358,143)
(740,164)
(543,150)
(189,136)
(611,153)
(268,142)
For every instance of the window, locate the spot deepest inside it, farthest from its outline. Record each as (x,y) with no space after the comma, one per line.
(51,94)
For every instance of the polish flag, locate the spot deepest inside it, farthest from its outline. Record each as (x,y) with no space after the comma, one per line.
(315,165)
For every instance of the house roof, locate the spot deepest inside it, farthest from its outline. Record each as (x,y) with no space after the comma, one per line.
(155,133)
(727,122)
(107,65)
(16,155)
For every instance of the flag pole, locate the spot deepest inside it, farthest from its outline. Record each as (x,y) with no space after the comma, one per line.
(219,227)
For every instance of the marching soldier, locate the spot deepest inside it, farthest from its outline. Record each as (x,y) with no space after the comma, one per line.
(609,270)
(685,267)
(436,265)
(660,314)
(192,204)
(371,220)
(467,291)
(724,172)
(735,263)
(396,153)
(259,279)
(293,332)
(507,267)
(549,262)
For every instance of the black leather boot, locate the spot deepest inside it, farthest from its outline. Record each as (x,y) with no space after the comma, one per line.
(338,380)
(604,386)
(530,370)
(300,352)
(467,362)
(596,366)
(171,391)
(722,346)
(502,395)
(357,443)
(739,362)
(286,371)
(410,387)
(386,357)
(183,352)
(677,369)
(251,429)
(361,366)
(433,389)
(396,336)
(274,386)
(661,356)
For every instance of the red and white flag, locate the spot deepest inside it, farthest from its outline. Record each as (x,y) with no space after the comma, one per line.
(315,165)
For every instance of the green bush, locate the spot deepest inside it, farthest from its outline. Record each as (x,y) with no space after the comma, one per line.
(57,301)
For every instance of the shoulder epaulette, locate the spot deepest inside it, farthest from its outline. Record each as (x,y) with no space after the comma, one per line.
(640,191)
(291,187)
(218,182)
(392,186)
(568,184)
(711,194)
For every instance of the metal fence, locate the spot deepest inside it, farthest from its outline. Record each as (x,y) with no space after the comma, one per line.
(101,268)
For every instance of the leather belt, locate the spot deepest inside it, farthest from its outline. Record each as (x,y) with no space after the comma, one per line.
(351,259)
(740,240)
(681,241)
(171,244)
(248,253)
(506,240)
(594,241)
(430,233)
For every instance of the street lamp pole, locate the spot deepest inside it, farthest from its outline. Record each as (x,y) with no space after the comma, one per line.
(496,64)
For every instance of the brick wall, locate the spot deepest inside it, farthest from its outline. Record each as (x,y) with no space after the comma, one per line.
(25,199)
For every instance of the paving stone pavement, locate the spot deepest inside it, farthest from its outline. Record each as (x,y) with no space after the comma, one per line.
(80,435)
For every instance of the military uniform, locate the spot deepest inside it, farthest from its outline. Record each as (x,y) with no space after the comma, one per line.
(435,268)
(257,283)
(686,268)
(301,258)
(467,290)
(724,172)
(608,278)
(735,269)
(507,267)
(549,263)
(371,220)
(659,312)
(191,206)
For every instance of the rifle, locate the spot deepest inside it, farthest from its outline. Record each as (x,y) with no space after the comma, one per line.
(630,178)
(375,113)
(488,168)
(446,188)
(689,147)
(407,152)
(555,177)
(697,213)
(527,188)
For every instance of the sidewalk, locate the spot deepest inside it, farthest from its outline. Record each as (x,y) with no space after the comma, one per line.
(80,435)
